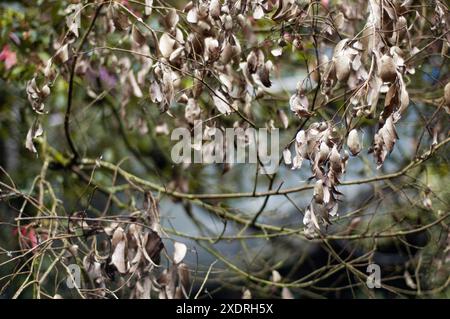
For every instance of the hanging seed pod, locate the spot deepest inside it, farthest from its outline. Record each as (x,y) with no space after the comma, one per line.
(447,94)
(353,142)
(318,192)
(171,19)
(324,151)
(166,45)
(227,53)
(401,26)
(387,69)
(287,157)
(214,9)
(335,159)
(342,65)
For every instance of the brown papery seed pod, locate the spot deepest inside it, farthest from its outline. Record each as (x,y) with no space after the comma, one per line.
(353,142)
(387,69)
(342,65)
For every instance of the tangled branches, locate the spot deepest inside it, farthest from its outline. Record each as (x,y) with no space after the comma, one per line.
(340,79)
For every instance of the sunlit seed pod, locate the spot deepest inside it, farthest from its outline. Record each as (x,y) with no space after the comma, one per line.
(447,94)
(387,69)
(353,142)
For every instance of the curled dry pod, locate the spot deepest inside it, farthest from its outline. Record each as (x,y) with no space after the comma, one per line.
(353,142)
(387,69)
(342,65)
(447,94)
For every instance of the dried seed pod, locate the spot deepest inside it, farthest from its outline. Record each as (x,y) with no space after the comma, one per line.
(401,26)
(166,45)
(148,7)
(447,94)
(318,192)
(214,9)
(353,142)
(252,62)
(324,151)
(287,157)
(387,69)
(342,65)
(171,19)
(335,159)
